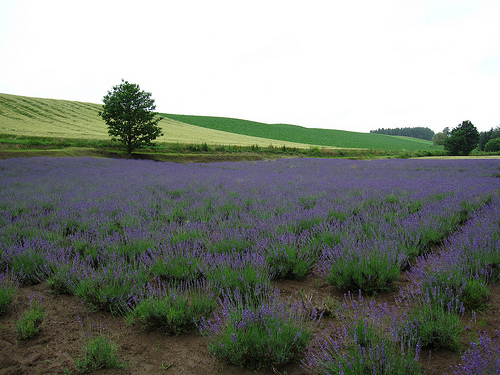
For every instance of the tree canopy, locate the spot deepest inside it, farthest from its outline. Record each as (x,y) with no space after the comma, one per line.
(493,145)
(129,113)
(486,136)
(417,132)
(462,140)
(439,138)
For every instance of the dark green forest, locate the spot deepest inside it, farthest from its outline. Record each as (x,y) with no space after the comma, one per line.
(417,132)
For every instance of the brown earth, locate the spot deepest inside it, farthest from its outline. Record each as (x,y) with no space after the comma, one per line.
(68,321)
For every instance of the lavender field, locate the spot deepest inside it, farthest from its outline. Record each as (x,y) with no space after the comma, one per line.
(201,247)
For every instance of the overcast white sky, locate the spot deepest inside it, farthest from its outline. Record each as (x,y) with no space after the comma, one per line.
(350,65)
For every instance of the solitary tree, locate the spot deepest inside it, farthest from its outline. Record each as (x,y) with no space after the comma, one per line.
(462,140)
(129,114)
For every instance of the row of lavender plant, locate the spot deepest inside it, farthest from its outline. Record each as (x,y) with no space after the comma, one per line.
(468,262)
(373,338)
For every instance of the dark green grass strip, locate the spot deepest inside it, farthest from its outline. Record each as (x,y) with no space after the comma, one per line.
(294,133)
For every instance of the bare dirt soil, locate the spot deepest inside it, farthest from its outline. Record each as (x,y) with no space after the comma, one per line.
(68,322)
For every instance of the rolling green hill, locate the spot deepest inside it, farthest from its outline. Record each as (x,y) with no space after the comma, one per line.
(27,116)
(294,133)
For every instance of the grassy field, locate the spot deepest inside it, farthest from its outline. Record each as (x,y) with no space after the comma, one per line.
(28,116)
(294,133)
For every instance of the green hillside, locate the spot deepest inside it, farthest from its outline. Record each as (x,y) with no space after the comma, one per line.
(27,116)
(294,133)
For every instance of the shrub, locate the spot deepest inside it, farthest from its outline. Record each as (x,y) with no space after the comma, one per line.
(174,311)
(474,294)
(254,336)
(337,356)
(7,293)
(314,151)
(99,353)
(113,288)
(370,273)
(63,279)
(28,325)
(242,273)
(178,268)
(29,267)
(290,261)
(431,326)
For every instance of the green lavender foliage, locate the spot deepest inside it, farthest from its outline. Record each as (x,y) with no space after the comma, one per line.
(28,325)
(174,312)
(99,353)
(7,293)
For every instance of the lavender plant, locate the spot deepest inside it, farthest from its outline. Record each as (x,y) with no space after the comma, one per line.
(65,271)
(99,352)
(364,343)
(246,272)
(483,357)
(255,336)
(291,256)
(115,287)
(336,355)
(7,292)
(180,264)
(370,266)
(432,319)
(432,327)
(173,310)
(29,267)
(28,325)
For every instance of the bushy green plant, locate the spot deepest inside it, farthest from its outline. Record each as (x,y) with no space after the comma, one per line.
(361,344)
(237,245)
(30,267)
(381,357)
(432,326)
(290,262)
(28,325)
(448,286)
(174,312)
(371,274)
(474,294)
(7,292)
(248,279)
(177,268)
(99,353)
(112,288)
(253,336)
(493,145)
(134,249)
(62,280)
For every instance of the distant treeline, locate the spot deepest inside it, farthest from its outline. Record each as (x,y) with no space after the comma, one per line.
(418,132)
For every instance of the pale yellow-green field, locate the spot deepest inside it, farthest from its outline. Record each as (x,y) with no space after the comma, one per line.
(462,157)
(20,115)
